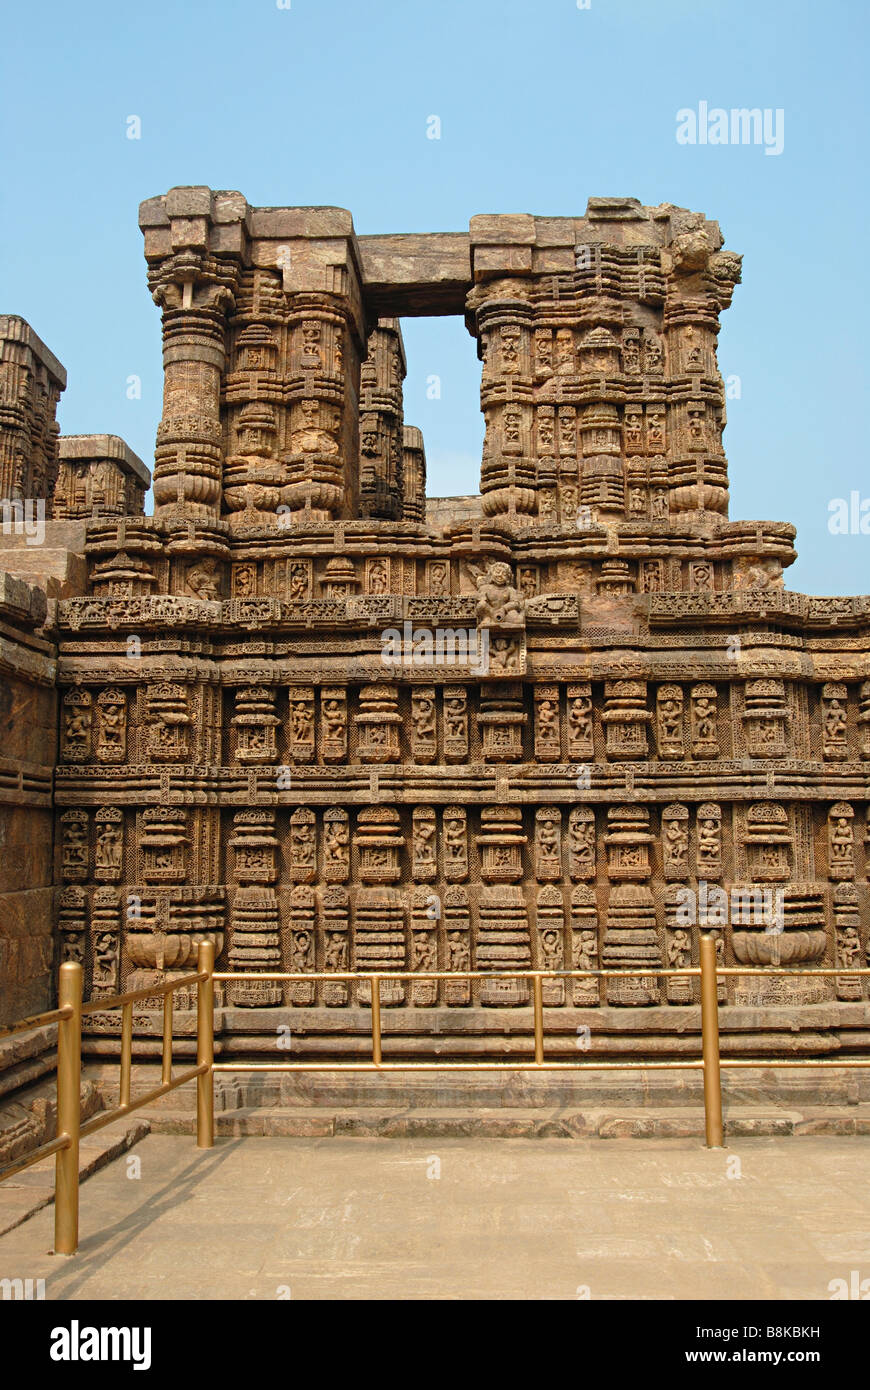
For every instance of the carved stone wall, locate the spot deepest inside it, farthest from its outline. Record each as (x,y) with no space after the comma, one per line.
(28,717)
(564,724)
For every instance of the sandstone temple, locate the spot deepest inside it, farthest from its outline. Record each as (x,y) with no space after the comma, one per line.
(337,726)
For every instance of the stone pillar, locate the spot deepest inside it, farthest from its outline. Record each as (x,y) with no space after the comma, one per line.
(194,244)
(382,473)
(500,315)
(414,470)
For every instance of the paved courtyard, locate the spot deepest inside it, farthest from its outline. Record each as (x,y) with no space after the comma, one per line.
(269,1218)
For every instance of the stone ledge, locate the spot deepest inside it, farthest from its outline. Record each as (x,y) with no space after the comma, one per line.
(507,1123)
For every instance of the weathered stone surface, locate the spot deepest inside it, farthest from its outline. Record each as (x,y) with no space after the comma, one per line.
(561,724)
(99,476)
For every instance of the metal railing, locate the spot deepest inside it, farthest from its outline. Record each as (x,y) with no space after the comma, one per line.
(70,1129)
(69,1015)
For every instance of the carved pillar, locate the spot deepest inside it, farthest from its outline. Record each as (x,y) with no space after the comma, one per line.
(834,716)
(414,470)
(382,446)
(195,292)
(669,716)
(584,946)
(847,932)
(547,738)
(424,947)
(457,931)
(379,934)
(766,718)
(630,938)
(503,929)
(336,926)
(626,717)
(255,942)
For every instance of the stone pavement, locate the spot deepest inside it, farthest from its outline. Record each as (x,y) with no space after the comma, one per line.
(337,1218)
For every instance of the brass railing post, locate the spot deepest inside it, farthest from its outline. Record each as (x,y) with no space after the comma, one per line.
(126,1055)
(376,1020)
(166,1059)
(205,1046)
(710,1040)
(538,1001)
(69,1071)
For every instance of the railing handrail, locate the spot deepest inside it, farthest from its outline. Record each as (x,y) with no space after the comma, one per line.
(694,971)
(26,1025)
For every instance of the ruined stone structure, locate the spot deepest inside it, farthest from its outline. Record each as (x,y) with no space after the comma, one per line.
(302,716)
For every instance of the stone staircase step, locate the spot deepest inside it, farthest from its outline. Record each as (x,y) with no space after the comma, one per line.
(504,1122)
(31,1190)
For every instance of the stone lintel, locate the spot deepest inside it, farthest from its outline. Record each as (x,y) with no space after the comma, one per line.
(416,274)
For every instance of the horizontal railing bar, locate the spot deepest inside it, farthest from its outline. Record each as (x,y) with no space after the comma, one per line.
(506,1065)
(796,1062)
(443,974)
(44,1151)
(117,1001)
(99,1121)
(509,1065)
(362,975)
(35,1021)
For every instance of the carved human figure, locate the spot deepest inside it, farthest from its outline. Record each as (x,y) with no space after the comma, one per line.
(457,951)
(107,851)
(333,720)
(849,946)
(424,952)
(676,844)
(705,720)
(709,848)
(336,837)
(586,950)
(498,602)
(671,720)
(679,949)
(203,579)
(298,583)
(301,721)
(424,841)
(245,581)
(311,437)
(454,839)
(551,948)
(580,720)
(455,717)
(378,583)
(438,580)
(528,584)
(336,951)
(423,716)
(548,726)
(835,722)
(302,840)
(548,840)
(77,724)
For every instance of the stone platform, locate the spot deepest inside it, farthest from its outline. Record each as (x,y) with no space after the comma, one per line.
(310,1219)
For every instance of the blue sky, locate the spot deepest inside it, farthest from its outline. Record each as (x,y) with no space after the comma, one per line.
(541,104)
